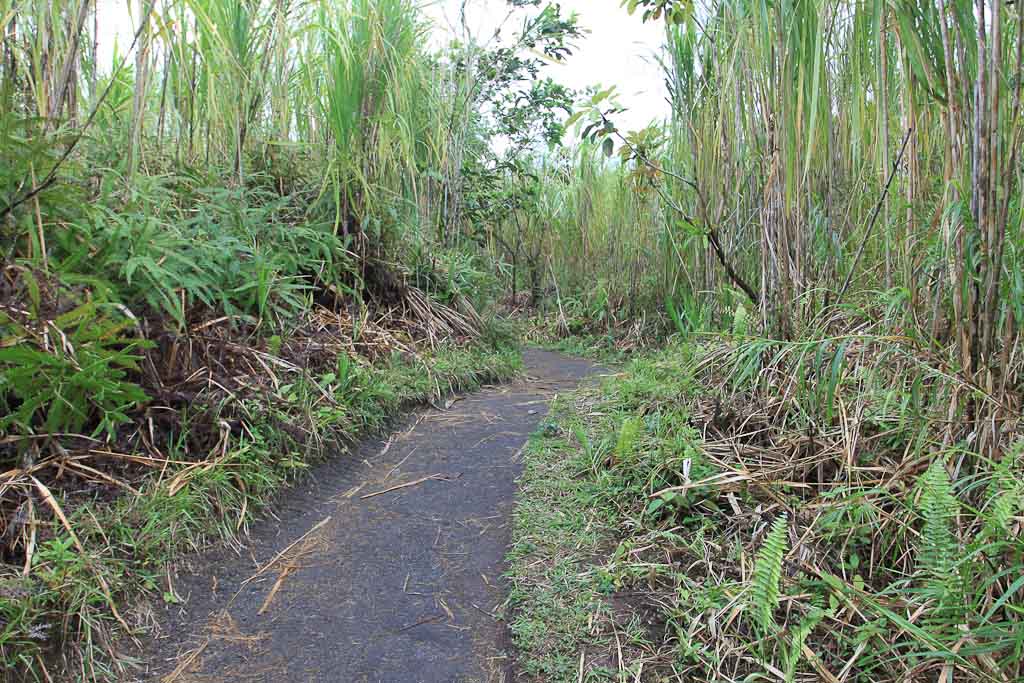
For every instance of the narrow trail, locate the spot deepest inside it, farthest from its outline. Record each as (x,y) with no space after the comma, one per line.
(397,587)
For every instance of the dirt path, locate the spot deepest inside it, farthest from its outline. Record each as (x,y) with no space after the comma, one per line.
(397,587)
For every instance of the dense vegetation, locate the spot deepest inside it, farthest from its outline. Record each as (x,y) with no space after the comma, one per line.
(673,527)
(225,254)
(262,228)
(824,481)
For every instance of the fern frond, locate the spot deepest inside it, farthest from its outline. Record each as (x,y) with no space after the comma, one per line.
(628,435)
(1005,497)
(938,546)
(799,637)
(767,577)
(939,509)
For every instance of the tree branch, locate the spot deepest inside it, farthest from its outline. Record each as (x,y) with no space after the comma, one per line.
(711,232)
(51,177)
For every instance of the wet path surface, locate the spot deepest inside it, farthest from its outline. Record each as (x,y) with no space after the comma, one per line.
(385,566)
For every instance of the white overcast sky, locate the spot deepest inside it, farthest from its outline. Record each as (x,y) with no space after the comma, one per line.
(617,50)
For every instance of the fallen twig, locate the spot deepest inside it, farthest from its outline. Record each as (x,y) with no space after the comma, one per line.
(425,620)
(262,570)
(185,663)
(288,569)
(400,463)
(438,477)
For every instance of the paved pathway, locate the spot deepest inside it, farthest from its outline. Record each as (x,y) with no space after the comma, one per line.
(398,587)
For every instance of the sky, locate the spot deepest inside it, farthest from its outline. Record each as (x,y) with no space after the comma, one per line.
(617,50)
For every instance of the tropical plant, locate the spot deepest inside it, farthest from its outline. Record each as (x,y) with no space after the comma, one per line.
(765,582)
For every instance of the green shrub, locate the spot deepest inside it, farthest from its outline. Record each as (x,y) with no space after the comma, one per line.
(62,374)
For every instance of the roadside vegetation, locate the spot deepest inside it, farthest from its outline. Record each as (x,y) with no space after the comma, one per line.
(226,253)
(673,527)
(265,226)
(815,471)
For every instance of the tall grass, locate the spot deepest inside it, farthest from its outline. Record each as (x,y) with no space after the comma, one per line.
(835,210)
(342,92)
(821,158)
(253,198)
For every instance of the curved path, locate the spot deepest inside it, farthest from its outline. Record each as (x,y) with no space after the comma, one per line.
(383,567)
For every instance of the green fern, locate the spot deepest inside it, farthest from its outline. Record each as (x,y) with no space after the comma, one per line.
(799,637)
(768,575)
(629,432)
(939,509)
(1005,498)
(938,546)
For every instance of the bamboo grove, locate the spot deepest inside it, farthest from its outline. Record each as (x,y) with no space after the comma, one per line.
(825,162)
(836,104)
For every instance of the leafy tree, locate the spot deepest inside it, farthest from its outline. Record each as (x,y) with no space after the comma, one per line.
(672,11)
(521,111)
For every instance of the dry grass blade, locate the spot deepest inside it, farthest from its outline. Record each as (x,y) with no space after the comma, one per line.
(301,539)
(292,565)
(51,502)
(432,477)
(185,663)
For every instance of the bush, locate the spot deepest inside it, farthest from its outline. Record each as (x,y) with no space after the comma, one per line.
(60,372)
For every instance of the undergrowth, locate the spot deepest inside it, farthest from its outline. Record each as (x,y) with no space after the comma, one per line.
(607,340)
(688,521)
(107,559)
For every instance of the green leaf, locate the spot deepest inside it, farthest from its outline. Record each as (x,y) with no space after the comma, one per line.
(574,118)
(655,505)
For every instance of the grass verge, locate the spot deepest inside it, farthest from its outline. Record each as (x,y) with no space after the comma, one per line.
(71,609)
(681,522)
(574,608)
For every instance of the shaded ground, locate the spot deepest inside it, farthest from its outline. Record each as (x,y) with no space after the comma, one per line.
(356,582)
